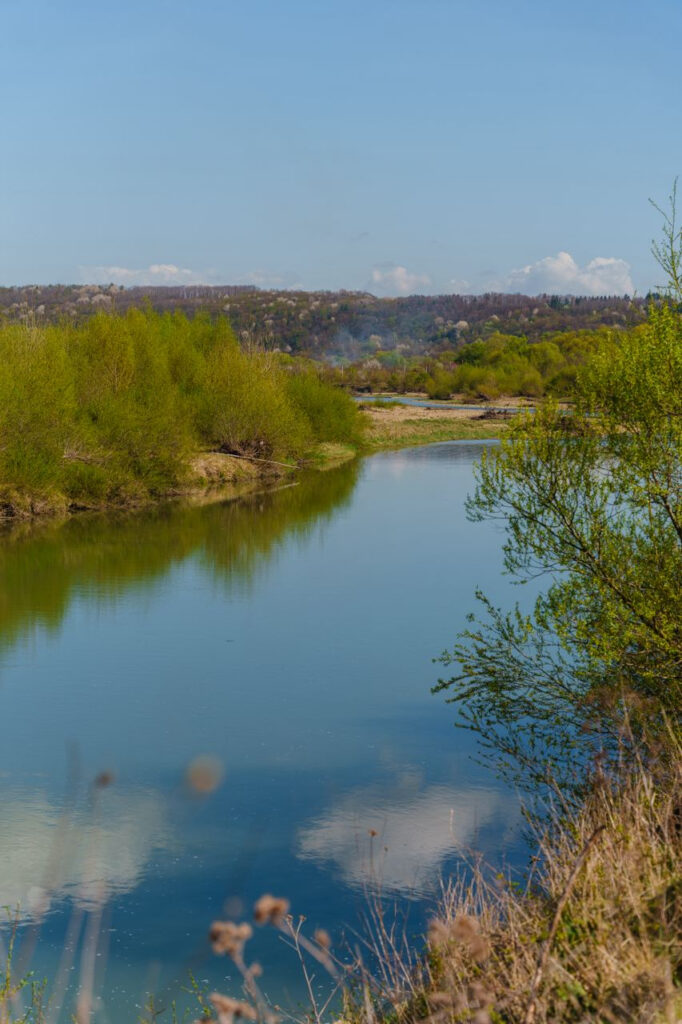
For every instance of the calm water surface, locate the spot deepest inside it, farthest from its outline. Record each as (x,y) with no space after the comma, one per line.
(290,636)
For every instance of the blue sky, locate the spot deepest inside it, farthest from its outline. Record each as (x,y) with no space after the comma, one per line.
(394,145)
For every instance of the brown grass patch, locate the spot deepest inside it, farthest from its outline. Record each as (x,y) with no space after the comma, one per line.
(594,935)
(398,426)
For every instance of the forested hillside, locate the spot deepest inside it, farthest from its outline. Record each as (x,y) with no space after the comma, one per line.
(338,325)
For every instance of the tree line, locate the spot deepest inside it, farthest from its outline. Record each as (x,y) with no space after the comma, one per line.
(112,410)
(338,326)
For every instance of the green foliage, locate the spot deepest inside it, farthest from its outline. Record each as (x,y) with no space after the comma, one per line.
(111,410)
(37,401)
(501,364)
(439,386)
(244,407)
(332,417)
(510,365)
(592,500)
(668,252)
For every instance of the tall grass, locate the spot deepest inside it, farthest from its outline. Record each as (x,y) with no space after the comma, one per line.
(110,411)
(593,936)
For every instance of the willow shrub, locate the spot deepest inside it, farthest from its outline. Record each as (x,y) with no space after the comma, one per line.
(37,408)
(331,416)
(245,408)
(592,501)
(112,409)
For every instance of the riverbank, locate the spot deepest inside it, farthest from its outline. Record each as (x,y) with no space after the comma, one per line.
(114,413)
(592,934)
(121,412)
(400,426)
(210,476)
(218,476)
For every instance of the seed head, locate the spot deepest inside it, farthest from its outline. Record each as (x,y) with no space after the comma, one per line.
(322,938)
(204,774)
(228,1008)
(464,929)
(440,999)
(270,909)
(228,938)
(438,933)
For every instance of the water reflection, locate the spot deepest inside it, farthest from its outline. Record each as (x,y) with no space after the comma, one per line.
(44,566)
(88,854)
(399,840)
(287,639)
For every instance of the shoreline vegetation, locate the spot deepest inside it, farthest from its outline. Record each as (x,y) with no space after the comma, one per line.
(123,411)
(486,370)
(120,412)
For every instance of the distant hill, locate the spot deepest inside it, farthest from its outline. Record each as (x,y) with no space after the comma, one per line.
(332,325)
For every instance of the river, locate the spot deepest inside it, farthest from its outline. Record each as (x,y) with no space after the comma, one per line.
(285,641)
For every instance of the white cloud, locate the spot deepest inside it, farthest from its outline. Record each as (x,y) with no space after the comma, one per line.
(154,274)
(46,857)
(554,275)
(561,275)
(415,832)
(391,279)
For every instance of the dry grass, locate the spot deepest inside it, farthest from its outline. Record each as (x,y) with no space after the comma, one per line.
(594,936)
(215,468)
(329,455)
(397,426)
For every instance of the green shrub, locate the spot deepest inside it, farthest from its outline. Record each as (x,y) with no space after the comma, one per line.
(112,409)
(37,404)
(440,386)
(331,413)
(244,407)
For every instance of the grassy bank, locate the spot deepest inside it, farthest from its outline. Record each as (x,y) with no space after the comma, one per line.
(123,410)
(401,426)
(594,934)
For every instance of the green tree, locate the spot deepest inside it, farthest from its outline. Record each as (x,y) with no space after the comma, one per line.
(668,251)
(593,502)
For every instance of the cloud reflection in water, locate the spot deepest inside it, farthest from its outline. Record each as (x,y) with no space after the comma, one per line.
(415,832)
(47,857)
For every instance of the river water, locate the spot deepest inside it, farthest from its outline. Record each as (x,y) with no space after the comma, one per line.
(285,641)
